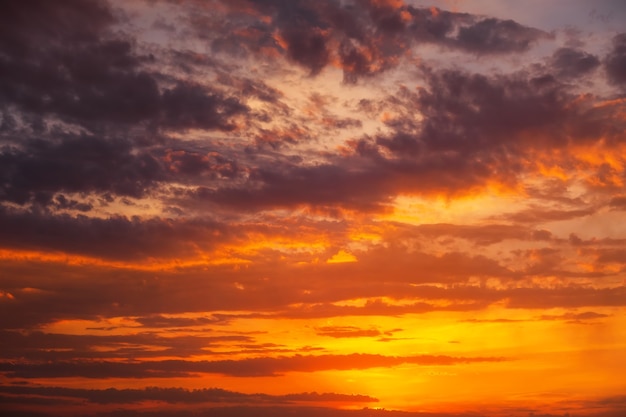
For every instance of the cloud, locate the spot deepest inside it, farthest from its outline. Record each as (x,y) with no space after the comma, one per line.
(572,63)
(176,396)
(346,331)
(352,331)
(566,297)
(269,411)
(483,235)
(618,203)
(109,80)
(71,20)
(575,317)
(395,268)
(475,129)
(81,104)
(474,113)
(615,61)
(189,106)
(174,180)
(498,36)
(38,169)
(37,345)
(116,237)
(83,75)
(307,48)
(611,255)
(321,185)
(251,367)
(364,39)
(158,321)
(537,215)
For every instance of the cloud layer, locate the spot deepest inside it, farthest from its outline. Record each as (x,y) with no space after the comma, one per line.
(311,204)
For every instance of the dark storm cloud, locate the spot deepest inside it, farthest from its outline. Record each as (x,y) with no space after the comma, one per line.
(321,185)
(483,109)
(102,83)
(572,63)
(364,37)
(252,367)
(55,60)
(116,237)
(615,61)
(297,30)
(493,36)
(307,48)
(366,181)
(473,33)
(486,110)
(55,63)
(472,113)
(65,62)
(476,128)
(71,20)
(36,169)
(188,106)
(99,169)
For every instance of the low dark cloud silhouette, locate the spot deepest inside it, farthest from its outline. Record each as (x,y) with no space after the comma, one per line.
(270,411)
(176,395)
(252,367)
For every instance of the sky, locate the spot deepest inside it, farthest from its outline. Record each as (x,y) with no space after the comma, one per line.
(334,208)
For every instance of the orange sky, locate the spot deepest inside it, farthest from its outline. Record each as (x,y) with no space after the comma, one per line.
(250,207)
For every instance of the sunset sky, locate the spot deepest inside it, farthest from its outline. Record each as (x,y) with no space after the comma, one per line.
(312,208)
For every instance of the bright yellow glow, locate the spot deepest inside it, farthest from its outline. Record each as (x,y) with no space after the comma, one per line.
(341,257)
